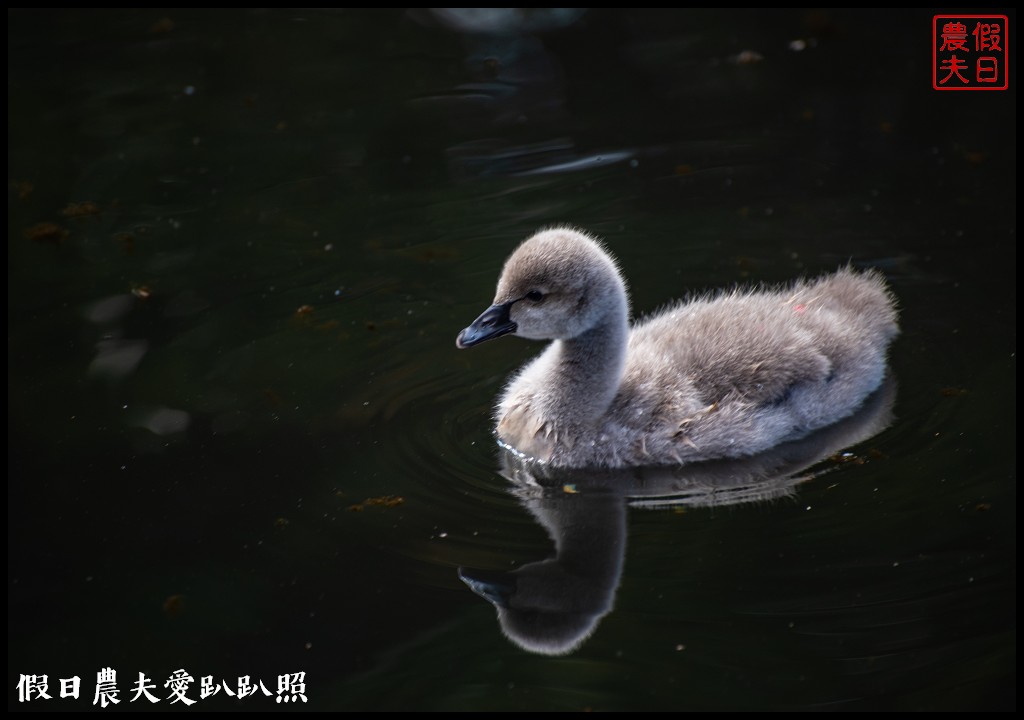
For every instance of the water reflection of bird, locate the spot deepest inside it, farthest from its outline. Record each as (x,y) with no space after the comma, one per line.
(553,605)
(715,377)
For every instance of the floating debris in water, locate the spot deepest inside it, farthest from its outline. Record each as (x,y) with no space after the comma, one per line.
(47,232)
(847,457)
(81,209)
(387,501)
(174,605)
(747,57)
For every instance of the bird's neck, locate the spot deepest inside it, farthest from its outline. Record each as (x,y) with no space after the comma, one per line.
(587,369)
(560,398)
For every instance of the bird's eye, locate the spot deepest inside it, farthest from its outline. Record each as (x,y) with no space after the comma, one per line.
(535,296)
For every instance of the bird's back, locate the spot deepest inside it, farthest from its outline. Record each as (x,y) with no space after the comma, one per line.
(748,369)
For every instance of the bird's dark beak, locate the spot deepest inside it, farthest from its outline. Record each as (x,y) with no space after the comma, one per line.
(494,322)
(492,585)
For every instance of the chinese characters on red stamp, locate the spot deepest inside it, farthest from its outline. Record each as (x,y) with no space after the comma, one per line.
(969,52)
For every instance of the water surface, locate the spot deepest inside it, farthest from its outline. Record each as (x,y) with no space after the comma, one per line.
(241,440)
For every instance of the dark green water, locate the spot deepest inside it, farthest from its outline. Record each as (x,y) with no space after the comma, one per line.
(250,331)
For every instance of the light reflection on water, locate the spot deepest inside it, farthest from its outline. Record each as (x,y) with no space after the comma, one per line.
(252,337)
